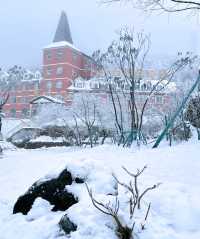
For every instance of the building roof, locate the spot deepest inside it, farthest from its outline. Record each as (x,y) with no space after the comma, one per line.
(99,83)
(46,99)
(61,44)
(63,32)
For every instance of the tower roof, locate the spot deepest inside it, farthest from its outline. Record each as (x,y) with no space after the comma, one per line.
(63,32)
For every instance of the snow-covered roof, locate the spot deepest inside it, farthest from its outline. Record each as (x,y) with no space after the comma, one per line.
(168,86)
(31,80)
(61,44)
(4,73)
(46,99)
(81,84)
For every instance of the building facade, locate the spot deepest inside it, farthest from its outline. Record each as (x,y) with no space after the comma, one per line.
(66,71)
(159,102)
(62,63)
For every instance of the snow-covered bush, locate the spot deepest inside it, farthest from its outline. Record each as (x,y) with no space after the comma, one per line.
(84,121)
(192,113)
(181,132)
(152,126)
(125,227)
(15,75)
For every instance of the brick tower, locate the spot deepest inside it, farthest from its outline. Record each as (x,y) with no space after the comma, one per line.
(63,62)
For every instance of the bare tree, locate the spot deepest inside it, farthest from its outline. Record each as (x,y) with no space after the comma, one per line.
(87,114)
(125,230)
(128,55)
(162,5)
(3,101)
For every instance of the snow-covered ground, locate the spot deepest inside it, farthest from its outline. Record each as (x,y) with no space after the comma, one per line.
(175,210)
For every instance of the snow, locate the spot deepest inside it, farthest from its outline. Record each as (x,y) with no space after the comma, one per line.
(81,84)
(61,44)
(175,209)
(48,139)
(46,99)
(10,125)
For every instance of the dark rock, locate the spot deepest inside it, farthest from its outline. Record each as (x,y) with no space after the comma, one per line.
(37,145)
(52,190)
(66,225)
(79,180)
(63,200)
(24,203)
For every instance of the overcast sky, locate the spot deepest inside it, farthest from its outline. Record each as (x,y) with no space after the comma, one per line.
(27,26)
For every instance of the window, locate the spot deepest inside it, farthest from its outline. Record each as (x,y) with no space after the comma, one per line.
(24,87)
(48,55)
(144,87)
(103,86)
(159,87)
(137,86)
(33,112)
(159,99)
(88,64)
(149,86)
(59,70)
(70,96)
(127,87)
(80,85)
(38,75)
(25,112)
(28,86)
(141,98)
(49,70)
(13,88)
(37,86)
(59,54)
(48,85)
(13,99)
(13,113)
(74,74)
(152,99)
(74,57)
(59,84)
(94,85)
(59,97)
(24,100)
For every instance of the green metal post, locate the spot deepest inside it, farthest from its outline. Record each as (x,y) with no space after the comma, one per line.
(169,124)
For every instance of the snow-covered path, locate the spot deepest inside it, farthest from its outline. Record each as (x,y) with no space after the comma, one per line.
(175,205)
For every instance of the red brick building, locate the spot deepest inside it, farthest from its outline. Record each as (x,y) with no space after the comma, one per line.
(62,63)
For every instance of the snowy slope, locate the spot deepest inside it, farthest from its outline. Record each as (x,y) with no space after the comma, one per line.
(175,204)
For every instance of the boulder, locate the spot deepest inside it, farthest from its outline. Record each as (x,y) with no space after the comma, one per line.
(52,190)
(66,225)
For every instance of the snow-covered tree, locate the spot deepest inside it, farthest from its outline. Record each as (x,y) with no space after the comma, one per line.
(128,55)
